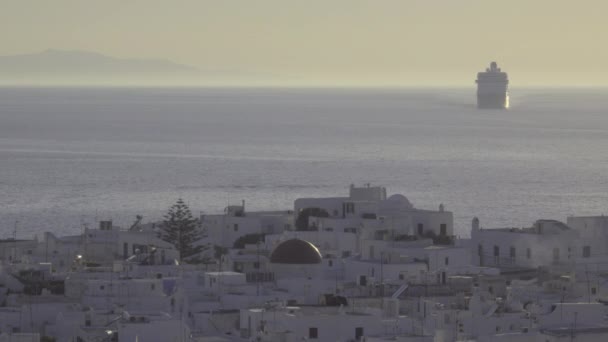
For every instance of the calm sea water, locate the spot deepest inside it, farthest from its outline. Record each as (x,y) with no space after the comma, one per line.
(71,156)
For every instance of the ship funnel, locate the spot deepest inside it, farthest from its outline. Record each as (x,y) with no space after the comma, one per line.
(493,66)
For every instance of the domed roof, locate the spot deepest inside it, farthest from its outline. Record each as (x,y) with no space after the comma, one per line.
(295,251)
(395,202)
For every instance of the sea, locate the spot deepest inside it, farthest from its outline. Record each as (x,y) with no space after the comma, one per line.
(70,157)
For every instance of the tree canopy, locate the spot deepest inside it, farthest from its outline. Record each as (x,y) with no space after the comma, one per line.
(183,231)
(302,220)
(248,239)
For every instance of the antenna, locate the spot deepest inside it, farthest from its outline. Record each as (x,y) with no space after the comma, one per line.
(588,285)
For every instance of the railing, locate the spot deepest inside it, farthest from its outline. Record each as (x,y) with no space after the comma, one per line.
(499,261)
(259,277)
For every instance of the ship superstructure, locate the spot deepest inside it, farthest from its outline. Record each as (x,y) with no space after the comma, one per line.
(492,88)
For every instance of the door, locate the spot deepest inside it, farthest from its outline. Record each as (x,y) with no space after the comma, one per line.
(358,333)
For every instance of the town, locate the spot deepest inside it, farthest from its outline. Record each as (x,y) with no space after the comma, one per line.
(360,267)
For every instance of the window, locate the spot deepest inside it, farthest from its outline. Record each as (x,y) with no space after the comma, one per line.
(555,255)
(528,253)
(420,228)
(152,286)
(256,265)
(350,207)
(512,252)
(447,261)
(236,227)
(586,251)
(313,333)
(593,291)
(330,263)
(443,229)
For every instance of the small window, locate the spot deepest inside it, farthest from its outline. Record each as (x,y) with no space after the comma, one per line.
(593,291)
(443,229)
(313,333)
(512,252)
(236,227)
(447,261)
(420,228)
(152,286)
(351,207)
(256,265)
(528,253)
(101,287)
(330,263)
(586,251)
(401,276)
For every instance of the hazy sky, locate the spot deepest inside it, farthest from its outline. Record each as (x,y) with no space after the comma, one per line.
(358,42)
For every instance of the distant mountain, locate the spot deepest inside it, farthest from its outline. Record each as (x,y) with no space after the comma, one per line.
(85,67)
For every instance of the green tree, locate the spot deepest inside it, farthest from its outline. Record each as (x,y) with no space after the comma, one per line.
(183,231)
(302,220)
(248,239)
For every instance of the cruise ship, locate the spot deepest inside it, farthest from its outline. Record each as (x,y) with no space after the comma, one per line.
(492,88)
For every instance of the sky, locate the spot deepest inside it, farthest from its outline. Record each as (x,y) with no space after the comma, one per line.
(331,42)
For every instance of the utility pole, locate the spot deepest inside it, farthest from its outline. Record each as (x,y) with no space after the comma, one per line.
(382,274)
(257,275)
(588,285)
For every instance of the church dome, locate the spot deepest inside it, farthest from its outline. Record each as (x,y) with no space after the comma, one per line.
(395,203)
(295,251)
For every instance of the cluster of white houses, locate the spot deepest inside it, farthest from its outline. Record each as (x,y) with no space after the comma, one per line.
(366,267)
